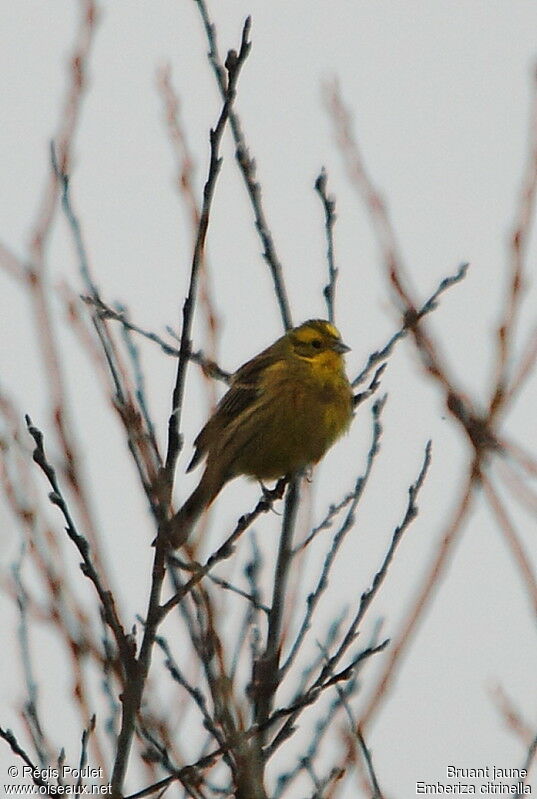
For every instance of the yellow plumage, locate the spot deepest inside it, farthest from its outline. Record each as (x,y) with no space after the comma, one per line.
(283,410)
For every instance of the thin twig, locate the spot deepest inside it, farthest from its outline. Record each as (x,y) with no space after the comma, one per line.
(429,305)
(517,266)
(377,793)
(354,498)
(209,366)
(247,167)
(13,265)
(227,586)
(84,751)
(525,368)
(139,381)
(234,63)
(325,675)
(367,597)
(517,485)
(510,714)
(107,312)
(372,388)
(507,527)
(323,725)
(108,664)
(31,704)
(310,696)
(227,548)
(132,696)
(8,736)
(329,205)
(124,642)
(425,593)
(194,693)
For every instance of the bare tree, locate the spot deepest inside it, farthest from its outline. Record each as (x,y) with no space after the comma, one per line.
(241,689)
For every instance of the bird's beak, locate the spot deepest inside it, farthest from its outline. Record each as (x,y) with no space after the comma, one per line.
(339,346)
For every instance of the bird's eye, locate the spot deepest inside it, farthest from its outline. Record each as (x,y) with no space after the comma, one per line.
(316,343)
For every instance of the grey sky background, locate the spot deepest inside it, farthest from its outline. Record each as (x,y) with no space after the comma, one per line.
(440,94)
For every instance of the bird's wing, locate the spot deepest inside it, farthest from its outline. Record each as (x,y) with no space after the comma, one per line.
(246,386)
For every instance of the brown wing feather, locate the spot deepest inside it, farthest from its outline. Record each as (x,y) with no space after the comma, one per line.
(246,385)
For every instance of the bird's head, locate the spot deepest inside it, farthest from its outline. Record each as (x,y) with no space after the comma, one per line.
(318,342)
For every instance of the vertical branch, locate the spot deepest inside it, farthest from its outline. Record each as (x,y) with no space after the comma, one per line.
(266,670)
(185,187)
(329,205)
(132,695)
(234,63)
(31,713)
(519,244)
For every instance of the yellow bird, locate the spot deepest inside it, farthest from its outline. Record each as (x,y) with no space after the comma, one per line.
(284,409)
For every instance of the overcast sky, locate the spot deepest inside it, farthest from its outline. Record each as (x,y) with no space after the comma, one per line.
(440,95)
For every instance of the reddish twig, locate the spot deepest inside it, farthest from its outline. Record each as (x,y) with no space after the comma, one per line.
(506,526)
(519,243)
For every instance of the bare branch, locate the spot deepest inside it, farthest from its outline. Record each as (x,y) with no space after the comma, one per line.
(377,793)
(8,736)
(265,676)
(430,305)
(227,586)
(31,705)
(11,264)
(329,205)
(354,499)
(106,312)
(311,695)
(124,642)
(511,715)
(247,167)
(506,526)
(84,750)
(519,244)
(528,762)
(425,594)
(234,63)
(194,693)
(227,548)
(367,597)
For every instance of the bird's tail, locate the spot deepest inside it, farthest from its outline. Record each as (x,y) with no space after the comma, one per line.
(187,516)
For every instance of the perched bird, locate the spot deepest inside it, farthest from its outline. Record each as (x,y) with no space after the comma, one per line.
(283,410)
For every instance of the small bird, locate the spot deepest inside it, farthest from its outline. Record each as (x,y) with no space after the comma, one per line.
(284,409)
